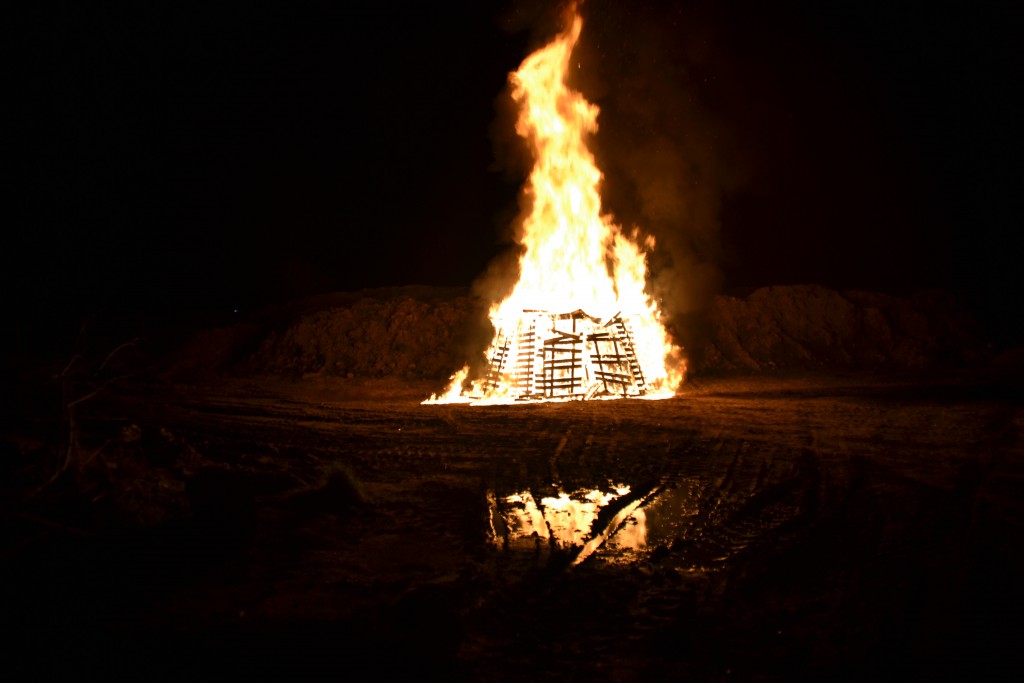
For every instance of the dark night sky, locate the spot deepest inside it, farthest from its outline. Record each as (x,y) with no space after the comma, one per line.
(184,158)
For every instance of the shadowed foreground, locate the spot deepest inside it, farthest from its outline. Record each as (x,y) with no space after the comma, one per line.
(775,528)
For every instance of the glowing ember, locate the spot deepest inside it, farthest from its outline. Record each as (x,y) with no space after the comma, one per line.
(578,323)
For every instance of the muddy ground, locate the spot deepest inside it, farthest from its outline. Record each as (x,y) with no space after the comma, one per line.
(764,527)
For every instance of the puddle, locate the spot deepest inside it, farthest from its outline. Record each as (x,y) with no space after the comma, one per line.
(578,522)
(565,520)
(667,516)
(614,522)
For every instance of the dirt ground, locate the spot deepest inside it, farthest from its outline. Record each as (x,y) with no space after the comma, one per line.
(761,527)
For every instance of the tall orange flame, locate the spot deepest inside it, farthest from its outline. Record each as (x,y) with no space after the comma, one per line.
(574,257)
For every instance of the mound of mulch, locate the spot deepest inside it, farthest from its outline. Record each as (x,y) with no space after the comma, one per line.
(415,333)
(808,326)
(421,333)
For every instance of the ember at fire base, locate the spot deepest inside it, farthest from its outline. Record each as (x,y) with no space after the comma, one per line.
(564,356)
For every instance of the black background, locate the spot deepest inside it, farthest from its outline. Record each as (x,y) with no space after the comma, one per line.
(178,159)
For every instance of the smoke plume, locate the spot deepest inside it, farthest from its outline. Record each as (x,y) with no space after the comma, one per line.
(667,160)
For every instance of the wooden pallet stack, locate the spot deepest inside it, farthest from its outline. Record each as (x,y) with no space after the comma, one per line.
(565,356)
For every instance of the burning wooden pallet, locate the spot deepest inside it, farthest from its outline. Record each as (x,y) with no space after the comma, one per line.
(565,356)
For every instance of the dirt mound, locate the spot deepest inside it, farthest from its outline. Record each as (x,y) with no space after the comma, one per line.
(413,333)
(419,333)
(808,326)
(402,337)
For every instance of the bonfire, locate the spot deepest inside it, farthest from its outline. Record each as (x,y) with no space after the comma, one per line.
(579,323)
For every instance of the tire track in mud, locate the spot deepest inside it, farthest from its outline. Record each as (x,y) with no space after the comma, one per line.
(727,506)
(704,498)
(717,500)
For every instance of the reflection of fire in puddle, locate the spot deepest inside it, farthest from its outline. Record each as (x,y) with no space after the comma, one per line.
(614,522)
(664,518)
(632,535)
(568,520)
